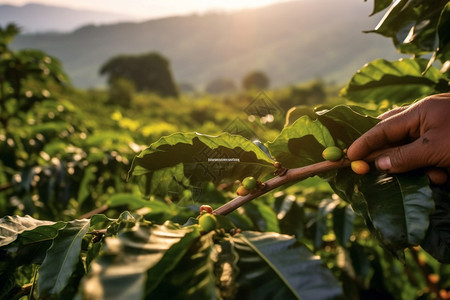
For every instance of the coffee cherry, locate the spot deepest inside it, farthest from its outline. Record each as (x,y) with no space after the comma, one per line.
(332,153)
(249,183)
(207,222)
(206,209)
(242,191)
(360,167)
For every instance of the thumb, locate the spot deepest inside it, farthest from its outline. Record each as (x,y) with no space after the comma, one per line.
(404,158)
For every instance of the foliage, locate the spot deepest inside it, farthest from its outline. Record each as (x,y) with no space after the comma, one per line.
(255,80)
(334,235)
(148,72)
(121,92)
(220,85)
(416,27)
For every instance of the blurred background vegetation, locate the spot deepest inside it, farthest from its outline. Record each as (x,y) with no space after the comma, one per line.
(75,110)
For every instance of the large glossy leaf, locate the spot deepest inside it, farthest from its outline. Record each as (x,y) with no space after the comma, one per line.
(437,239)
(326,207)
(343,223)
(444,34)
(345,124)
(396,208)
(31,245)
(399,81)
(196,276)
(301,143)
(134,262)
(274,266)
(200,158)
(12,226)
(290,214)
(62,258)
(262,216)
(379,5)
(412,24)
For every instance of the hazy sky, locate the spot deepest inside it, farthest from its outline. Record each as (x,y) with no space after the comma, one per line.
(152,8)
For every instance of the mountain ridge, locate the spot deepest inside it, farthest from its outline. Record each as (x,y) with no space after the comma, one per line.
(291,42)
(41,18)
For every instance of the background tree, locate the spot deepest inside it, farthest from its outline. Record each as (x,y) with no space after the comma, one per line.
(311,93)
(121,92)
(255,80)
(148,72)
(221,85)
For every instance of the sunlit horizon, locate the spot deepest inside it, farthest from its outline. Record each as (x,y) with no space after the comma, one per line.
(140,9)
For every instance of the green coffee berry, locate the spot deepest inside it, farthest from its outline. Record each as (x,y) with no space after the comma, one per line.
(207,222)
(332,153)
(249,183)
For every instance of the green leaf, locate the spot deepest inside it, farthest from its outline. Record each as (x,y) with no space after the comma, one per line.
(396,208)
(345,124)
(290,214)
(166,181)
(262,216)
(412,25)
(195,275)
(444,34)
(274,266)
(12,226)
(62,258)
(31,245)
(86,184)
(379,5)
(203,158)
(343,223)
(136,261)
(326,207)
(437,239)
(132,201)
(399,82)
(301,143)
(155,210)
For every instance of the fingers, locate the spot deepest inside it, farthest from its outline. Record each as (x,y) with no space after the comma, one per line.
(392,112)
(405,158)
(437,176)
(429,150)
(396,128)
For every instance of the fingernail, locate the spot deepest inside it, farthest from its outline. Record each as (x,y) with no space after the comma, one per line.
(384,163)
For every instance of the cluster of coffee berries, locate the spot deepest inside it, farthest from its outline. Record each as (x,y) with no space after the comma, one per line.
(334,153)
(208,222)
(247,185)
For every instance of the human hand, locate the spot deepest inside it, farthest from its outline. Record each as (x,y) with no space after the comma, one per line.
(410,137)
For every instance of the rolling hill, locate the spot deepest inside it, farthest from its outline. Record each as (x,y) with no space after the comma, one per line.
(291,42)
(38,18)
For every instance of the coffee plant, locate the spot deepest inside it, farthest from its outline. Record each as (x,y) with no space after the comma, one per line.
(308,227)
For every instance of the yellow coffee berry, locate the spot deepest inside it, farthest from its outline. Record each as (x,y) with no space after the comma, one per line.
(360,167)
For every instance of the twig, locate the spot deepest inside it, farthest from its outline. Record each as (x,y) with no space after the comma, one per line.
(5,186)
(96,211)
(292,175)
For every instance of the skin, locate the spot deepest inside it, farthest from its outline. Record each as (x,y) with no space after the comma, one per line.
(408,138)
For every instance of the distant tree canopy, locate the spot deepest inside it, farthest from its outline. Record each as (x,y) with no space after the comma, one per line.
(148,72)
(221,85)
(121,92)
(311,93)
(255,80)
